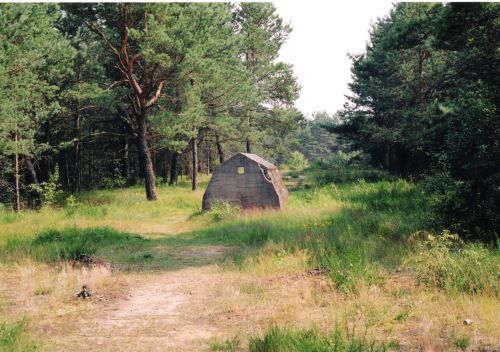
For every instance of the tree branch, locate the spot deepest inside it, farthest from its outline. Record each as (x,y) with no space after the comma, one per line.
(111,46)
(117,83)
(156,96)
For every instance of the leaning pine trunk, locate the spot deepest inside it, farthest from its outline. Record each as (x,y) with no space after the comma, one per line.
(145,159)
(195,163)
(220,151)
(31,170)
(35,195)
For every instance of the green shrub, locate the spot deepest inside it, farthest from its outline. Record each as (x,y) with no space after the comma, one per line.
(50,190)
(297,161)
(468,207)
(346,167)
(288,340)
(446,262)
(13,338)
(70,206)
(221,210)
(462,342)
(294,174)
(116,181)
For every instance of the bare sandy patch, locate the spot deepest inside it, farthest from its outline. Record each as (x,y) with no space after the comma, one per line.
(185,310)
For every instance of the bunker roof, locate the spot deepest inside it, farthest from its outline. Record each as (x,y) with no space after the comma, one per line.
(259,160)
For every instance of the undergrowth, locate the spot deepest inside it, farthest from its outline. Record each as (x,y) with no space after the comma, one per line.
(287,340)
(221,210)
(446,262)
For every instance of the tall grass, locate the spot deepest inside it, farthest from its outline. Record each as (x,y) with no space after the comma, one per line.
(357,232)
(14,339)
(356,242)
(445,262)
(287,340)
(68,244)
(369,234)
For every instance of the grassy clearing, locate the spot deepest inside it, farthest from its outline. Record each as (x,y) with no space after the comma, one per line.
(71,237)
(122,209)
(360,237)
(378,270)
(358,233)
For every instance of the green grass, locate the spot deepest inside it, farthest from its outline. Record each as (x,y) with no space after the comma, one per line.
(287,340)
(445,262)
(358,232)
(462,342)
(228,345)
(71,244)
(123,209)
(13,338)
(358,242)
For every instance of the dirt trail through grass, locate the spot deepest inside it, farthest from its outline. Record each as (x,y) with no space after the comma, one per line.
(159,314)
(169,290)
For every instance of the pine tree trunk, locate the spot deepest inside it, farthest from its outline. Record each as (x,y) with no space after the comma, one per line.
(207,146)
(18,197)
(34,195)
(173,169)
(209,161)
(31,170)
(66,162)
(194,145)
(142,171)
(145,159)
(220,151)
(76,149)
(125,159)
(249,145)
(165,167)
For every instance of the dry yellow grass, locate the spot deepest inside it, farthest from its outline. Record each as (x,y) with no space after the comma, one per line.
(186,309)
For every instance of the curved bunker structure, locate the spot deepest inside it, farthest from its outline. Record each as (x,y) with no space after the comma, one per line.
(248,181)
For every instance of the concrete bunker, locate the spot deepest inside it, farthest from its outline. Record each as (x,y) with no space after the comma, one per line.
(248,181)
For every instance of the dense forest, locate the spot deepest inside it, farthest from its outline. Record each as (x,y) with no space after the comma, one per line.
(105,96)
(425,105)
(112,94)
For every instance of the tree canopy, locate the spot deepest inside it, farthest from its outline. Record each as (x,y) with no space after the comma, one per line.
(424,104)
(114,93)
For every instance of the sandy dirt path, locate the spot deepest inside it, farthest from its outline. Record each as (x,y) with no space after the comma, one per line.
(161,312)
